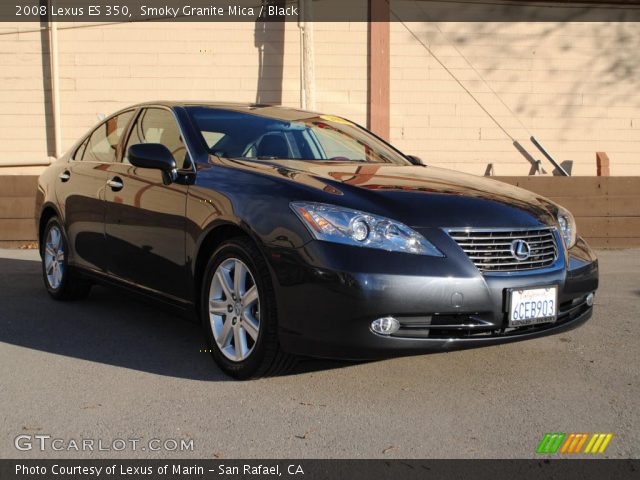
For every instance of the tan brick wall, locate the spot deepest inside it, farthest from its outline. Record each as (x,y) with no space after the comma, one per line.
(22,106)
(106,67)
(575,86)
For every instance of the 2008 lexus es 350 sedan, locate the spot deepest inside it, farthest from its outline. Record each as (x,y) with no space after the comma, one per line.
(295,233)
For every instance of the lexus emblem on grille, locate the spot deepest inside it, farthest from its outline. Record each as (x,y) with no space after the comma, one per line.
(520,250)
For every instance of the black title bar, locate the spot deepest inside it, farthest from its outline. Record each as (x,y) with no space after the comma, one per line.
(317,10)
(582,469)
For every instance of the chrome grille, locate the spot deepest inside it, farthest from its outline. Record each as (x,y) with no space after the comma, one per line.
(491,250)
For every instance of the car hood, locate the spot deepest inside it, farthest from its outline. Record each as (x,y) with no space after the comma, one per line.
(419,196)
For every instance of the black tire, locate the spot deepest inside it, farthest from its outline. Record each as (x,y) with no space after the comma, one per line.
(266,357)
(70,287)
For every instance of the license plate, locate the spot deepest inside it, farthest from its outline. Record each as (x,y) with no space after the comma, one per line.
(531,306)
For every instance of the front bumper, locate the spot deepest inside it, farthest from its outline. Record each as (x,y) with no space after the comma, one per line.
(328,295)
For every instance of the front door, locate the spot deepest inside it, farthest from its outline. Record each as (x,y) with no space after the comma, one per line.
(144,218)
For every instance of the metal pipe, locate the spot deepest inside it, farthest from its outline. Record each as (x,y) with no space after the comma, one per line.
(55,87)
(548,156)
(305,23)
(301,30)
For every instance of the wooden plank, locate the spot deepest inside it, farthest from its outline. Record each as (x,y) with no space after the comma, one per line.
(565,186)
(612,227)
(17,207)
(18,229)
(576,186)
(601,206)
(584,207)
(379,68)
(605,242)
(18,185)
(624,205)
(623,185)
(597,242)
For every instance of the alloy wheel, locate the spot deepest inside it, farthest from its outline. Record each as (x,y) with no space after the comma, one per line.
(234,309)
(54,257)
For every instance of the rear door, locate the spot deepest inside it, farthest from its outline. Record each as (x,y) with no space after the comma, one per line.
(144,218)
(81,189)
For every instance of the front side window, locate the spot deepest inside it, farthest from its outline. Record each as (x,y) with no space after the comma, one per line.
(156,125)
(103,143)
(233,134)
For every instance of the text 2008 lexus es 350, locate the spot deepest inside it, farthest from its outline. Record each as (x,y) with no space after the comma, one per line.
(294,233)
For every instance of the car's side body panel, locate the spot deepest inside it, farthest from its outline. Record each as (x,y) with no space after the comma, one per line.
(82,201)
(145,230)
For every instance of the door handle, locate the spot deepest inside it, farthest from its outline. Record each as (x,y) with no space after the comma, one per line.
(65,176)
(115,183)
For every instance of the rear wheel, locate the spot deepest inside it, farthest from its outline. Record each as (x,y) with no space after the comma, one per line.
(61,283)
(239,312)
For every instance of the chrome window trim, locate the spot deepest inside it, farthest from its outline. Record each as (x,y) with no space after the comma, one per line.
(141,109)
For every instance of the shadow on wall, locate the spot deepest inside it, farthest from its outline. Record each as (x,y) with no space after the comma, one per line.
(269,40)
(568,81)
(108,328)
(608,56)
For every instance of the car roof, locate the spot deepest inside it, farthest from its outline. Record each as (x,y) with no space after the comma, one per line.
(268,110)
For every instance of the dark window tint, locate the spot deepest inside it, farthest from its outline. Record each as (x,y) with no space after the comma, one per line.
(103,143)
(156,125)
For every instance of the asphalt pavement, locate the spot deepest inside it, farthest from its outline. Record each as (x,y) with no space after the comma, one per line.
(114,370)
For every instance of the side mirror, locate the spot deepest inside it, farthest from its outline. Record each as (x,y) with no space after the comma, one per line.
(156,156)
(415,160)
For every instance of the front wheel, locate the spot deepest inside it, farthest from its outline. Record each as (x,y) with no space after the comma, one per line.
(239,312)
(61,283)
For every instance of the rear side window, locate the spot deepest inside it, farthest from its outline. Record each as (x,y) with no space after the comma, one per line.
(103,143)
(80,151)
(156,125)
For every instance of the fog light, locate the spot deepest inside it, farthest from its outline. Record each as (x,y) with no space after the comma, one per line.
(590,299)
(385,325)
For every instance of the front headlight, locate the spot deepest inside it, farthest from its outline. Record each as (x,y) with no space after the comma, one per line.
(351,227)
(567,227)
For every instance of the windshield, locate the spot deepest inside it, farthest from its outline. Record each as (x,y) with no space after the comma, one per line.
(234,134)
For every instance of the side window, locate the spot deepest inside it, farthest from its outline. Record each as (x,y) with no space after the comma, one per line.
(80,150)
(103,143)
(156,125)
(335,145)
(212,138)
